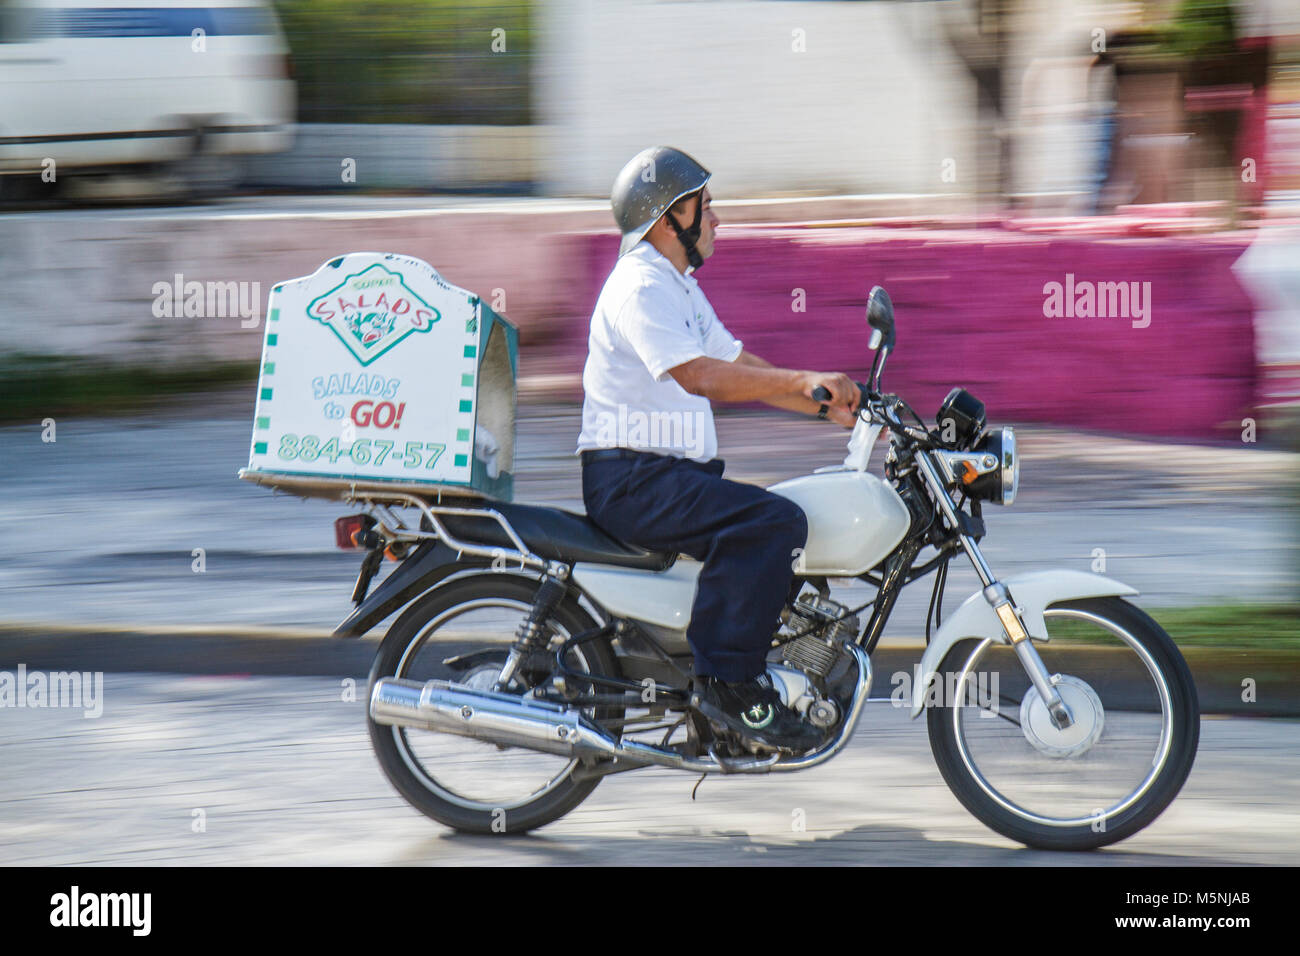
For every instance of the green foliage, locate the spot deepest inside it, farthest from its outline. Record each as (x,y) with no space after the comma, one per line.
(1288,427)
(33,387)
(1204,28)
(1258,626)
(399,61)
(1240,626)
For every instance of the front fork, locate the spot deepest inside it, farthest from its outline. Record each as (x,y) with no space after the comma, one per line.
(999,598)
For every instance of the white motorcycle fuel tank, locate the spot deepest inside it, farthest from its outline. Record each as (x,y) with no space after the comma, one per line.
(854,521)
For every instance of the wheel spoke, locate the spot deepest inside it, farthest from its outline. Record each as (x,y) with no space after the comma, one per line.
(1023,771)
(475,774)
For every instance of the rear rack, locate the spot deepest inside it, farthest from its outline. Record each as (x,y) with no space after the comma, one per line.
(393,526)
(380,502)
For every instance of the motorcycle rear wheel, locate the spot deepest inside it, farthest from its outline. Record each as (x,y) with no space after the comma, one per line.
(470,785)
(1111,775)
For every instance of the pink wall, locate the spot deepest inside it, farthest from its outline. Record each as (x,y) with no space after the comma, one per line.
(969,307)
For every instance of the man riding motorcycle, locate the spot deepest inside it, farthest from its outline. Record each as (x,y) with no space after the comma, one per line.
(657,356)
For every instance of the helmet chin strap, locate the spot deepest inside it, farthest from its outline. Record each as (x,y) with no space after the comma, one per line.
(688,237)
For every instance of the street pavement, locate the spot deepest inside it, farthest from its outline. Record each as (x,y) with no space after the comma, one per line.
(102,525)
(277,771)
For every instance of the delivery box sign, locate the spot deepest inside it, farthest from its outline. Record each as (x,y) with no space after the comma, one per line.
(372,311)
(370,371)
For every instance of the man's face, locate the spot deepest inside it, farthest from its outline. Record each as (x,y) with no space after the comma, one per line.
(708,222)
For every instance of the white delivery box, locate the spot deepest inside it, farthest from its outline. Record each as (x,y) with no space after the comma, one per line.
(378,373)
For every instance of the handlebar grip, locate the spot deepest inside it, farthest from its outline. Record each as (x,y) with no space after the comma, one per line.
(821,394)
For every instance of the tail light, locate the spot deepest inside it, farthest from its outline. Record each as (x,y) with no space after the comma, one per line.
(274,66)
(356,531)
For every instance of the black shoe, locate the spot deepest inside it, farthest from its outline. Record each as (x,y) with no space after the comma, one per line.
(753,709)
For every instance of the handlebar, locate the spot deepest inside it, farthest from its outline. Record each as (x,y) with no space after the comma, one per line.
(879,408)
(823,394)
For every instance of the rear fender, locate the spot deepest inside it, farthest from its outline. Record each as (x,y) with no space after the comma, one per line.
(426,567)
(1033,593)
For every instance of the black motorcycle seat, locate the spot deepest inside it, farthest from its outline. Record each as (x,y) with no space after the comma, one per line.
(556,535)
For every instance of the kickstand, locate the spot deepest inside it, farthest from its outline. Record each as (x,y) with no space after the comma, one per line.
(697,785)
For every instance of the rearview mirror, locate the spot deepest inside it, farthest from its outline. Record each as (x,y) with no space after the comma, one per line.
(880,316)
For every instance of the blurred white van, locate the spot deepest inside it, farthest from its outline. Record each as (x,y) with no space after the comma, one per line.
(98,84)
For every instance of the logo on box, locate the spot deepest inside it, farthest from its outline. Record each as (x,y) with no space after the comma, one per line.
(372,311)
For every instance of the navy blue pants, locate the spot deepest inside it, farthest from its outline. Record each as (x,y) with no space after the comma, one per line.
(744,535)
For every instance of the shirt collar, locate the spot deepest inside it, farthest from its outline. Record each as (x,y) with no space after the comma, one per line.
(652,256)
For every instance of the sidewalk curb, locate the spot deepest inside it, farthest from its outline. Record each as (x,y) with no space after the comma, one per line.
(1220,673)
(281,652)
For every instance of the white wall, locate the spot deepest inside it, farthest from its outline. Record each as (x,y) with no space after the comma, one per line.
(874,103)
(1053,124)
(400,155)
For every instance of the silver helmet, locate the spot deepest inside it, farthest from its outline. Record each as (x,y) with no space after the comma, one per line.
(653,180)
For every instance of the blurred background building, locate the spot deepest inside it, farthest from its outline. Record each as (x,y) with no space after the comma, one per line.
(1046,106)
(964,153)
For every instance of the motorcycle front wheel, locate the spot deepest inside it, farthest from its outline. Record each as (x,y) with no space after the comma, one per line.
(462,632)
(1112,772)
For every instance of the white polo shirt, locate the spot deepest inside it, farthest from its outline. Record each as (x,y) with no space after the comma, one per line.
(650,318)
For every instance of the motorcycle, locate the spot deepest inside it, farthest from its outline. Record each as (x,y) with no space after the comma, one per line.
(536,655)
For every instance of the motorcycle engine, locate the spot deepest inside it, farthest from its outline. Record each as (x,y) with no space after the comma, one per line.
(807,660)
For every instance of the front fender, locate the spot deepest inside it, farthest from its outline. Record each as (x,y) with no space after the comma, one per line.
(1033,592)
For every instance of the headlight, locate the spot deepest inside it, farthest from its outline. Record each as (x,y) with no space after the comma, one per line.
(998,486)
(960,418)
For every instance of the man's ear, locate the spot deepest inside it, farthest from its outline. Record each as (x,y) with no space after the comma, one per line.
(683,217)
(668,232)
(686,215)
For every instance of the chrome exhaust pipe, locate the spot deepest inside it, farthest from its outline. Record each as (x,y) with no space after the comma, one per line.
(847,726)
(448,708)
(445,707)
